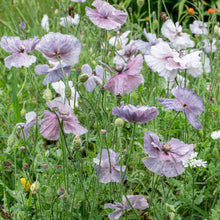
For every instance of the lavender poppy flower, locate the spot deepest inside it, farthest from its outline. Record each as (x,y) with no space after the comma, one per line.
(164,60)
(138,202)
(50,128)
(106,16)
(145,47)
(198,27)
(66,47)
(165,158)
(30,122)
(105,174)
(187,101)
(174,33)
(140,114)
(54,71)
(127,79)
(95,77)
(19,48)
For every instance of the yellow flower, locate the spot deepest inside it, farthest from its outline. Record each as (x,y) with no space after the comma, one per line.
(25,184)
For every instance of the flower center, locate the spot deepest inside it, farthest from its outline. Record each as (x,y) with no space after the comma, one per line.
(166,148)
(21,49)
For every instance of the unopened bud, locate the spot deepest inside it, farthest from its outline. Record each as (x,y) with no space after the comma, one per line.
(118,46)
(26,166)
(140,3)
(83,78)
(22,148)
(56,11)
(35,187)
(68,92)
(77,143)
(61,191)
(163,16)
(119,122)
(58,168)
(23,112)
(155,24)
(47,95)
(216,30)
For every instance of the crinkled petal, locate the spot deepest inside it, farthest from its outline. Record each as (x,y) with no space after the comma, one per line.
(41,69)
(192,119)
(171,104)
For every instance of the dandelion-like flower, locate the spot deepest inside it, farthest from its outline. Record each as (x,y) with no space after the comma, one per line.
(127,79)
(137,202)
(58,47)
(50,127)
(25,184)
(106,16)
(30,122)
(19,49)
(109,170)
(165,158)
(187,101)
(140,114)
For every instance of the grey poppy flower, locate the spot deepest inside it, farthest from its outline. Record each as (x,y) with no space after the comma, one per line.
(109,172)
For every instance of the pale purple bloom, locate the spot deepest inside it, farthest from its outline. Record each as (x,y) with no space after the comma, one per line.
(54,71)
(137,202)
(19,49)
(106,16)
(108,172)
(30,122)
(60,47)
(69,20)
(187,101)
(192,64)
(174,33)
(165,158)
(119,41)
(22,25)
(164,60)
(140,114)
(50,127)
(95,77)
(198,27)
(127,79)
(145,47)
(208,46)
(45,23)
(59,87)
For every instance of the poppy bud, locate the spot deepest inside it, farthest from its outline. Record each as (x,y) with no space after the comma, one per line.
(23,112)
(35,187)
(216,30)
(47,95)
(140,3)
(68,92)
(61,191)
(119,122)
(77,143)
(83,78)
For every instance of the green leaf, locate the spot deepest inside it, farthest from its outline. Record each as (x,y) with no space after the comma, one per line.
(181,7)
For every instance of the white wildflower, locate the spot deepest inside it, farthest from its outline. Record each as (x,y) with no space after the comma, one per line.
(215,135)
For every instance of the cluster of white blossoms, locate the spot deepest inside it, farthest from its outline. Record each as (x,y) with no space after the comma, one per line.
(192,162)
(215,135)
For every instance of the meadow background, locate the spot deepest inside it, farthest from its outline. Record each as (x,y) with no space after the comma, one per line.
(195,194)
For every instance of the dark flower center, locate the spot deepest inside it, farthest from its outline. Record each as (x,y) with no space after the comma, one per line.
(21,49)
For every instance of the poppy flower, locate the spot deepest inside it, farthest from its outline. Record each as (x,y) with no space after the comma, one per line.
(109,170)
(198,28)
(165,158)
(128,77)
(140,114)
(187,101)
(106,16)
(19,49)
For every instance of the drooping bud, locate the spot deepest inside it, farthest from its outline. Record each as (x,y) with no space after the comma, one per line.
(56,11)
(155,24)
(83,78)
(119,122)
(61,191)
(23,112)
(140,3)
(47,95)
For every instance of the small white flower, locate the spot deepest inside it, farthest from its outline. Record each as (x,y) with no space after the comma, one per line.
(47,153)
(59,87)
(45,23)
(208,46)
(199,28)
(215,135)
(192,162)
(68,21)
